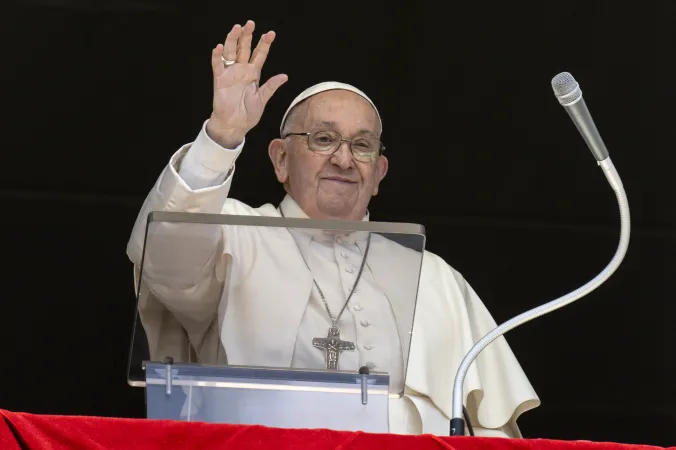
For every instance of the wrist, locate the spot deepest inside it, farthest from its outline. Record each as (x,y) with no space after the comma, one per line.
(226,138)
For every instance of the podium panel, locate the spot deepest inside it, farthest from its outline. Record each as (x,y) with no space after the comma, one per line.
(223,295)
(270,397)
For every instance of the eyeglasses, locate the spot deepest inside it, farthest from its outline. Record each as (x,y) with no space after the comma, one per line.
(326,142)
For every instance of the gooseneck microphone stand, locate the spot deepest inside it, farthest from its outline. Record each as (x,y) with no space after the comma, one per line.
(569,95)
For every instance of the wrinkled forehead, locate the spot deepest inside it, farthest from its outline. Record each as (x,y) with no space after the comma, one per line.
(342,110)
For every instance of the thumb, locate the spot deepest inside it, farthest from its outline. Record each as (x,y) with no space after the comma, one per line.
(270,87)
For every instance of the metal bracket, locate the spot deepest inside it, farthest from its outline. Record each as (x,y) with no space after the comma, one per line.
(168,361)
(364,372)
(364,390)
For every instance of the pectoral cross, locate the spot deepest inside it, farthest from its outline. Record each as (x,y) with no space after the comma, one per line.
(332,346)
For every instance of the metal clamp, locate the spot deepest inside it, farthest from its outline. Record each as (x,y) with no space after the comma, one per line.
(168,361)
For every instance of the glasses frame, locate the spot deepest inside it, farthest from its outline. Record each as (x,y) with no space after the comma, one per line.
(381,150)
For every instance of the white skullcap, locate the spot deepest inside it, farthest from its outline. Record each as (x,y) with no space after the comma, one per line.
(323,87)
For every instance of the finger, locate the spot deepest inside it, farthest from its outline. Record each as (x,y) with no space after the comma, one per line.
(268,89)
(262,49)
(216,61)
(230,46)
(244,44)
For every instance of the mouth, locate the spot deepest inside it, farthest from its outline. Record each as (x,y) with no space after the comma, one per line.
(340,180)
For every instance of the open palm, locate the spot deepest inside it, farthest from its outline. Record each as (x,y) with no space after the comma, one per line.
(239,101)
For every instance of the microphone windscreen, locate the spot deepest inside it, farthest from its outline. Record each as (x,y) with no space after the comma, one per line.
(566,88)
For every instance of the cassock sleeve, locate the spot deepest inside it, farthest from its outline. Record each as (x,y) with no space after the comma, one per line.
(179,263)
(197,179)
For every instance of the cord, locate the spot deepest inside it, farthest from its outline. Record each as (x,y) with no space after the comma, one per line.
(467,421)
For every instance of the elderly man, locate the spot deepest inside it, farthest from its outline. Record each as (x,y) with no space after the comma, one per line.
(329,160)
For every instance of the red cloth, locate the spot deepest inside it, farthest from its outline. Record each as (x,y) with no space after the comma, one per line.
(28,431)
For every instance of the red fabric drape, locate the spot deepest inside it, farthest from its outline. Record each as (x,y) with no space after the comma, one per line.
(46,432)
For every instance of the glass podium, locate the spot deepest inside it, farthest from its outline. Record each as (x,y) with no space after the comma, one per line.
(244,320)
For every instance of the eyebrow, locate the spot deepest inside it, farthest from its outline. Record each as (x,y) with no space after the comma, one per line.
(331,123)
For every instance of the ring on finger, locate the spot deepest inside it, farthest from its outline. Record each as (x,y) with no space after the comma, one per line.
(227,62)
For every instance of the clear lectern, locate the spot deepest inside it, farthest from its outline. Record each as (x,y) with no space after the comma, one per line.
(239,321)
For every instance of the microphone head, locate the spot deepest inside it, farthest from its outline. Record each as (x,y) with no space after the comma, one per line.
(565,87)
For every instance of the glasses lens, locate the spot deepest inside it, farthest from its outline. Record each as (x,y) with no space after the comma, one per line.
(365,149)
(324,141)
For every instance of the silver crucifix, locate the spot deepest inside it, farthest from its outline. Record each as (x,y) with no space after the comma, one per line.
(332,346)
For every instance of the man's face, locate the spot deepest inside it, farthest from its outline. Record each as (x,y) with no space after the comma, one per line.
(332,186)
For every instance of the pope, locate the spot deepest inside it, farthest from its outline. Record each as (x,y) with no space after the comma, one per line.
(266,297)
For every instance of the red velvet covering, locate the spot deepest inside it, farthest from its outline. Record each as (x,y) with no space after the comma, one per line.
(28,431)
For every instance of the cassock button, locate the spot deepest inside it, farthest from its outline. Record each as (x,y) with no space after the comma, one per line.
(368,346)
(349,269)
(344,255)
(357,308)
(365,323)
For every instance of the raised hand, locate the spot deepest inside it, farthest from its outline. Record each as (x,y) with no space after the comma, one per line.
(238,100)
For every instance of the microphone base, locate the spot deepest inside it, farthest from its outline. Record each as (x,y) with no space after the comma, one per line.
(457,427)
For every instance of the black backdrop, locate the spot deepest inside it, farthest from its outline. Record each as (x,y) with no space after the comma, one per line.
(98,94)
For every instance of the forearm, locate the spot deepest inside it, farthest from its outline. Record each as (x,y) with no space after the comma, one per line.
(196,180)
(179,259)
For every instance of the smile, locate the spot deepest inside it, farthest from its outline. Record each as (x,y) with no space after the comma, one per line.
(339,180)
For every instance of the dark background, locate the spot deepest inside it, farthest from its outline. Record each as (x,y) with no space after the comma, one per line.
(98,94)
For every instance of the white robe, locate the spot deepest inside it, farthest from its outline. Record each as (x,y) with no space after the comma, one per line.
(189,310)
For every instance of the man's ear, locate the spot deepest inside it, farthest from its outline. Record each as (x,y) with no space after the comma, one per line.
(381,170)
(280,159)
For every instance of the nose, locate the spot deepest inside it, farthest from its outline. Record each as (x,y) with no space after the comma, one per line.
(343,156)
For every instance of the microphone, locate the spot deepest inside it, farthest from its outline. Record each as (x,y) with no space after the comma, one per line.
(569,94)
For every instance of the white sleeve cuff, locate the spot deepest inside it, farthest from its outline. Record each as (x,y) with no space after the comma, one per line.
(206,163)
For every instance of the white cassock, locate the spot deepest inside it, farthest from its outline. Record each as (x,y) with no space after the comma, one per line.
(190,310)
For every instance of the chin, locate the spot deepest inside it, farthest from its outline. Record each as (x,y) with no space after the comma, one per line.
(338,208)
